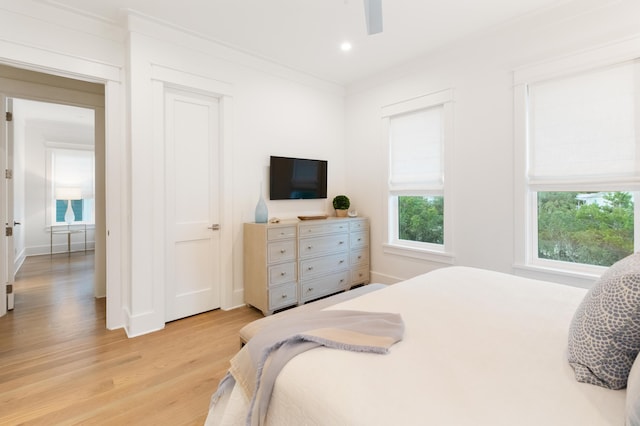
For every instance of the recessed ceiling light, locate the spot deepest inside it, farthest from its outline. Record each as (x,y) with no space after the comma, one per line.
(345,46)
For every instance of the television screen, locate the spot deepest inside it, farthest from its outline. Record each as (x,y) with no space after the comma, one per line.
(297,178)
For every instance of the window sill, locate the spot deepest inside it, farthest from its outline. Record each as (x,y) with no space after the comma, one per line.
(576,278)
(418,253)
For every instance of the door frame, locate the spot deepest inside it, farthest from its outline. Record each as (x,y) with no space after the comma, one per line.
(163,79)
(112,243)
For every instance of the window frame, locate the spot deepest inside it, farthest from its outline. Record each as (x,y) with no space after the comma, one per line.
(442,253)
(50,203)
(526,258)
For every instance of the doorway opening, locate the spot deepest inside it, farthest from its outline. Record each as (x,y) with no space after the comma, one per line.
(55,146)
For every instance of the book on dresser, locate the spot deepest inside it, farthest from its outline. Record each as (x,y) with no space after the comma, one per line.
(293,262)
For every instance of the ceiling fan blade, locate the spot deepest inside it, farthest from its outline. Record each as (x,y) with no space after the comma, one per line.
(373,15)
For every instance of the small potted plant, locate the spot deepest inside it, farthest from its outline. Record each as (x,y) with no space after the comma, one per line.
(341,203)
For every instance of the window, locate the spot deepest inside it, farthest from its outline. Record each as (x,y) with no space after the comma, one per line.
(582,167)
(417,132)
(72,181)
(61,210)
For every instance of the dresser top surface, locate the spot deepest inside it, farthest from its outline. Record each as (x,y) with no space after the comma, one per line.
(295,221)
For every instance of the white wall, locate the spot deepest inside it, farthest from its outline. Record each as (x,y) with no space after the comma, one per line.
(266,109)
(480,71)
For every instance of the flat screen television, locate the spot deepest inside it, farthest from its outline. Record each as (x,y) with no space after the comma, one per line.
(297,178)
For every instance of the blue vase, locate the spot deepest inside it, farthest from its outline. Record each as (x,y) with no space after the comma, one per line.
(262,213)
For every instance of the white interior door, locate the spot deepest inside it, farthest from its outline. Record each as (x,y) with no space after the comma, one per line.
(192,207)
(10,222)
(6,196)
(4,261)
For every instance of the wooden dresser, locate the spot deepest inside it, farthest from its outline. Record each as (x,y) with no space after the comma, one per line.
(293,262)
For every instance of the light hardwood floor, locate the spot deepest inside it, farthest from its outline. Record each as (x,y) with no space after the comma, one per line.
(59,365)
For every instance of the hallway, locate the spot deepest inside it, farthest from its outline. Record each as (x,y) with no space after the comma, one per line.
(54,301)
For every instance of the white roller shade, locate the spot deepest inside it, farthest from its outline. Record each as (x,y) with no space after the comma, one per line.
(582,129)
(74,169)
(416,154)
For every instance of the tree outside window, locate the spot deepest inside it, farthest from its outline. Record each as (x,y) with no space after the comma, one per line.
(421,219)
(593,228)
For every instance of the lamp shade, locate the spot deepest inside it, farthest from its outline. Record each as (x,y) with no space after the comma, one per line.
(68,194)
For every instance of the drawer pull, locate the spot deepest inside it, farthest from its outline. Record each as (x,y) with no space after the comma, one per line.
(309,247)
(341,281)
(310,289)
(341,261)
(284,296)
(359,239)
(341,242)
(282,251)
(310,268)
(282,274)
(359,257)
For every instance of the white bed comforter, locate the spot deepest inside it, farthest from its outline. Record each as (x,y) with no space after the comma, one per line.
(480,348)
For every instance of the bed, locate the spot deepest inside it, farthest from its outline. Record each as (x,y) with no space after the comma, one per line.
(479,348)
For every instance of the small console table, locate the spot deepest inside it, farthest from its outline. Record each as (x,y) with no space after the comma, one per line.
(68,230)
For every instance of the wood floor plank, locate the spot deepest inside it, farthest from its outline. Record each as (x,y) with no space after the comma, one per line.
(60,365)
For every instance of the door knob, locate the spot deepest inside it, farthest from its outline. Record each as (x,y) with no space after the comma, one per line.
(214,227)
(16,223)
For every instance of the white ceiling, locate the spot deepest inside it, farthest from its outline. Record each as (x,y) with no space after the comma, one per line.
(305,34)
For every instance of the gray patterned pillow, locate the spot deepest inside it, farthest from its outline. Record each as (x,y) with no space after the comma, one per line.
(604,337)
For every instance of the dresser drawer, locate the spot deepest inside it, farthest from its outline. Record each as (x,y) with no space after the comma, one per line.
(279,251)
(359,257)
(359,225)
(312,289)
(282,296)
(281,232)
(323,228)
(323,245)
(360,276)
(283,273)
(359,239)
(323,265)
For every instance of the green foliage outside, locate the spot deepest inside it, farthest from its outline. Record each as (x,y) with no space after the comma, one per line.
(571,230)
(421,219)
